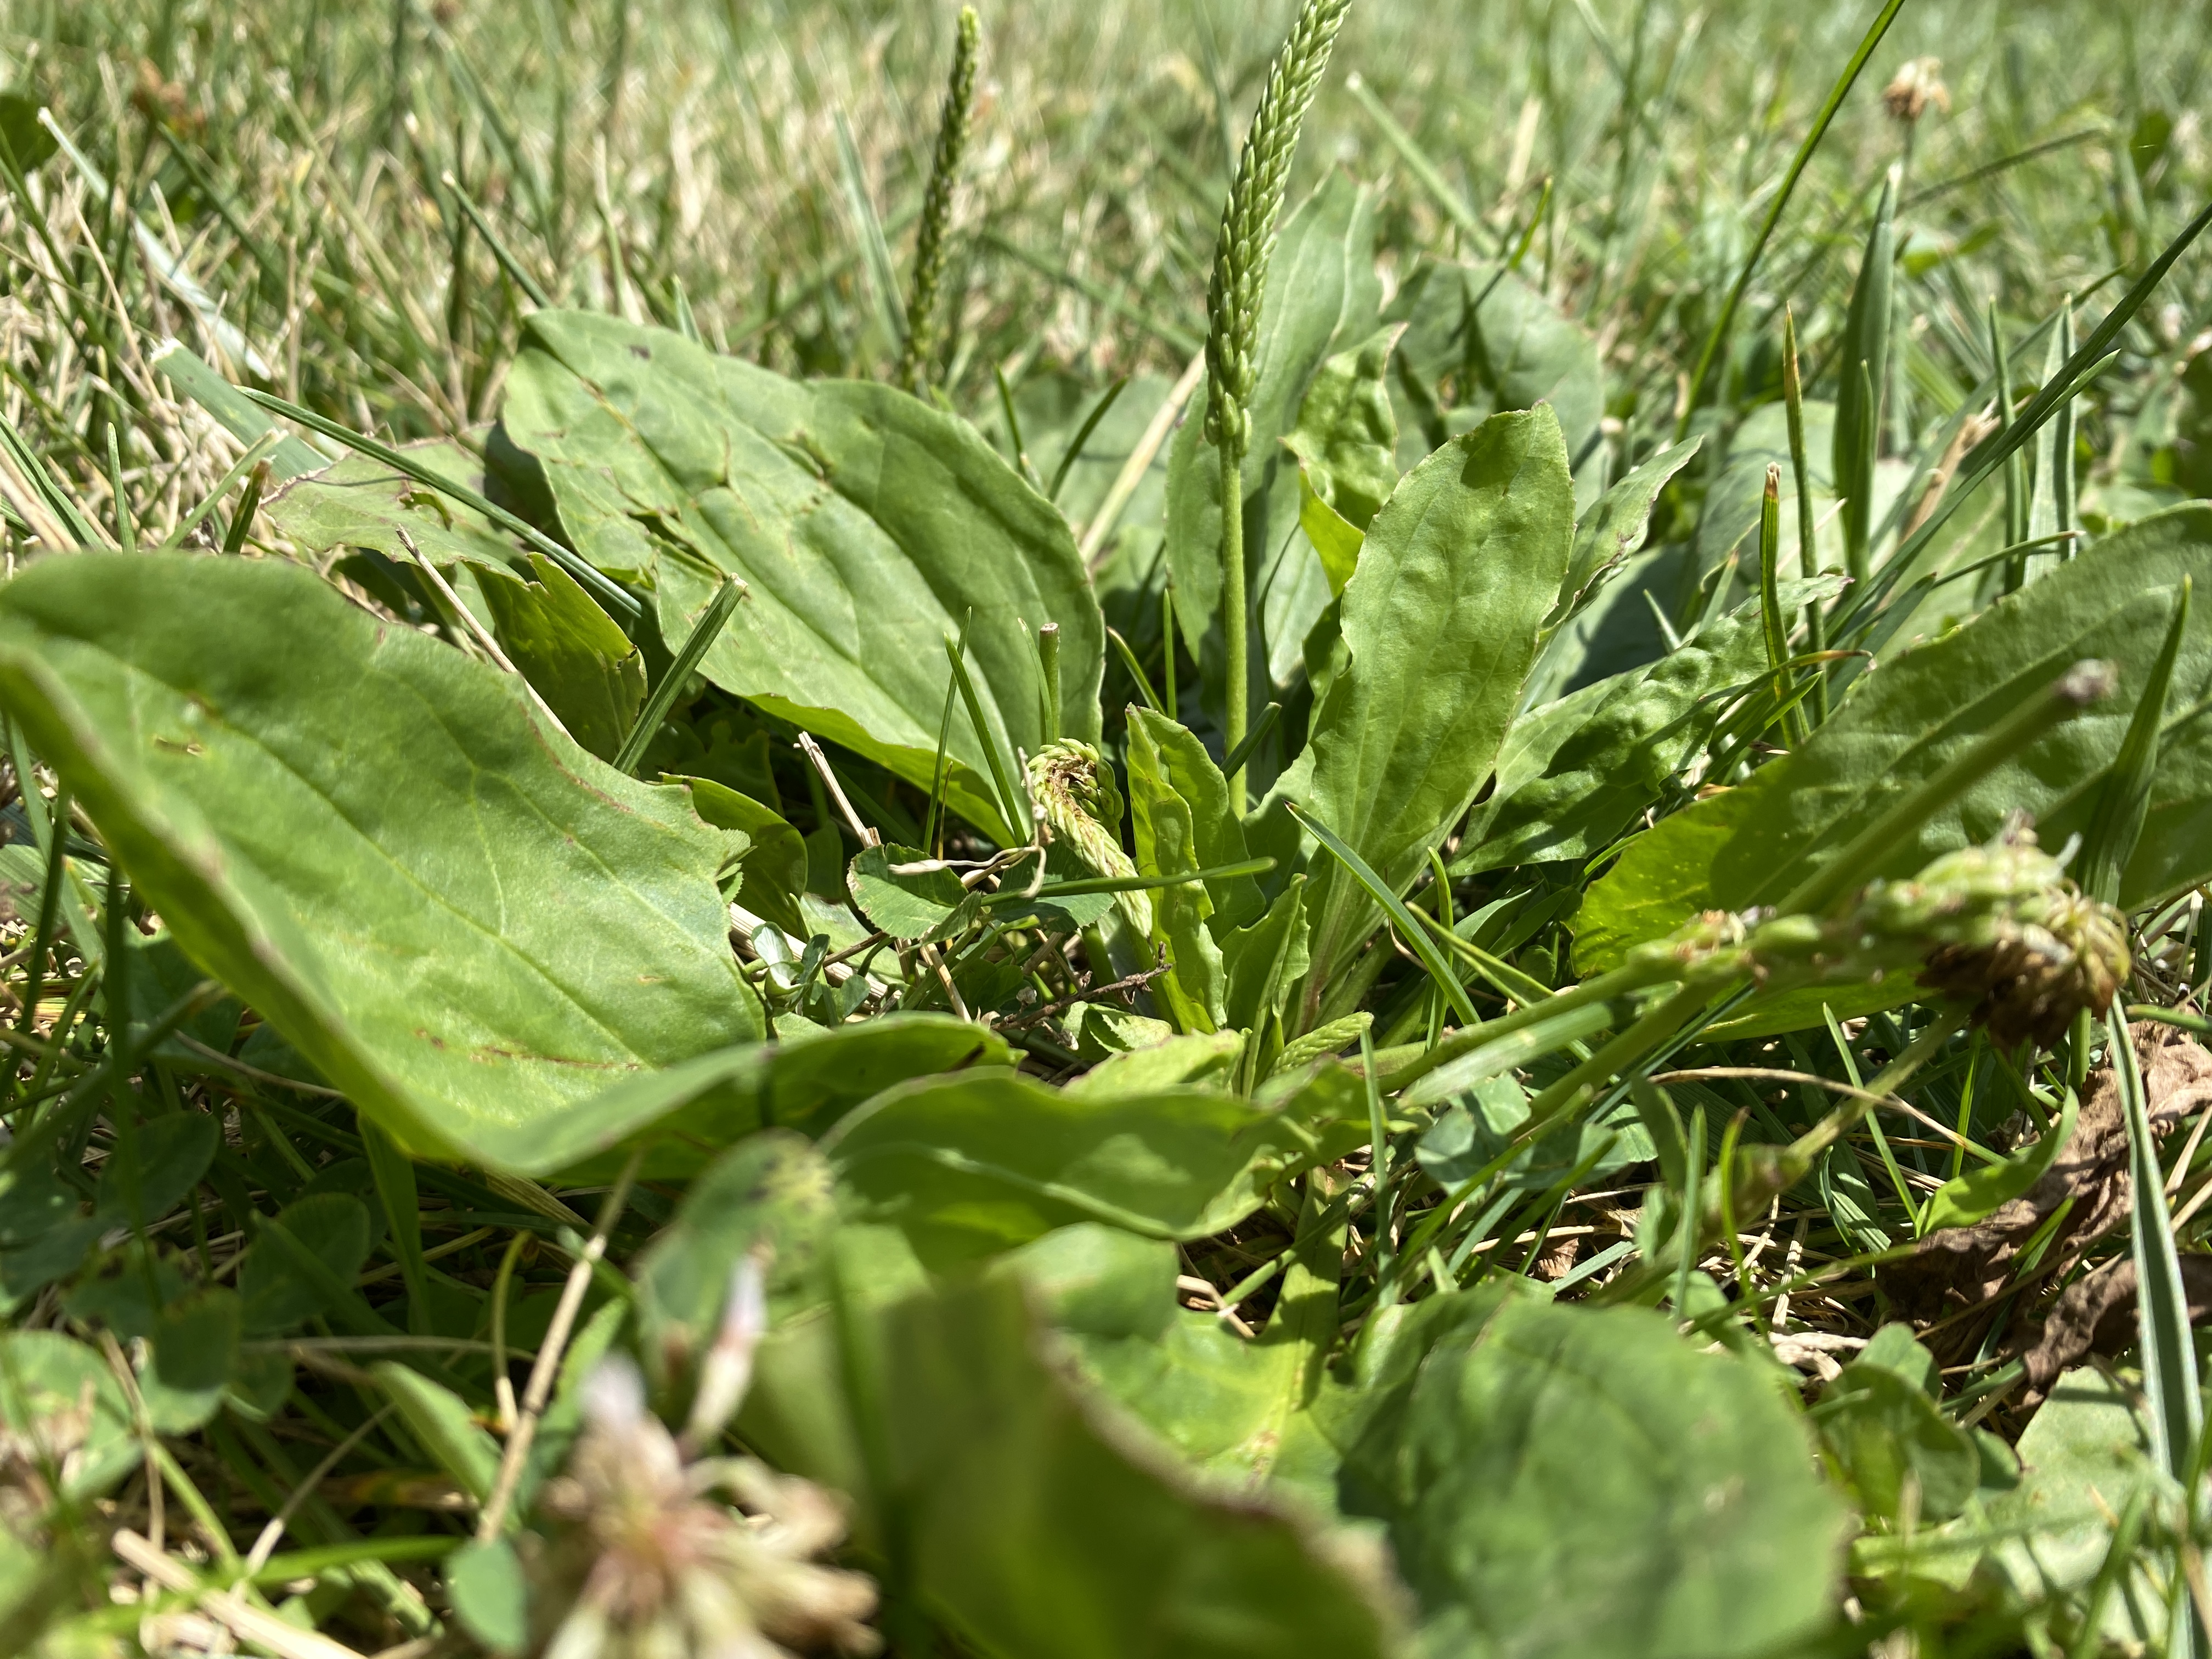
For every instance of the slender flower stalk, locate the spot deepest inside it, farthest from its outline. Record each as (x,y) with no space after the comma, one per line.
(1808,562)
(936,207)
(1232,313)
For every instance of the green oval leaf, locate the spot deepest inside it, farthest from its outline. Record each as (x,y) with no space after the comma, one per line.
(1884,1435)
(1033,1529)
(1966,1199)
(1753,844)
(1458,571)
(1561,1482)
(976,1164)
(454,913)
(866,525)
(333,1227)
(485,1582)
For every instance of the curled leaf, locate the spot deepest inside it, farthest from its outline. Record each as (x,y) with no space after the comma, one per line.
(1965,1200)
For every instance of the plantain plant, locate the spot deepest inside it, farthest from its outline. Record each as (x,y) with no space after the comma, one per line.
(627,1037)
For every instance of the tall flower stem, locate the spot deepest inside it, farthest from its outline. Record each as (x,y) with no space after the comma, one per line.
(1236,617)
(1233,296)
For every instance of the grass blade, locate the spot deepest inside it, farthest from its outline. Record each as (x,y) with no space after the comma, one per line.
(293,456)
(1242,751)
(253,459)
(1775,624)
(2169,1357)
(531,288)
(69,518)
(944,737)
(1074,451)
(1836,94)
(2016,503)
(2080,370)
(1425,171)
(175,274)
(2123,798)
(701,636)
(1136,671)
(1801,473)
(1415,936)
(1861,374)
(2085,684)
(1693,1171)
(1081,885)
(2051,509)
(249,503)
(1009,801)
(875,251)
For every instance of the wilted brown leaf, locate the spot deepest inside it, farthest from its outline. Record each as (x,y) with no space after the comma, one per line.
(2096,1314)
(1963,1270)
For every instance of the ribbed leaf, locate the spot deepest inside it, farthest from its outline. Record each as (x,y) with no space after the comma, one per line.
(866,525)
(456,914)
(1459,569)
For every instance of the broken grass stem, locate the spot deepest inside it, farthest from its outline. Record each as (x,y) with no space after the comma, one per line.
(548,1365)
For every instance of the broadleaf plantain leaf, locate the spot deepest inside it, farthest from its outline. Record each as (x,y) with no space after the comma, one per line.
(1574,775)
(976,1164)
(866,525)
(1564,1481)
(586,668)
(1030,1526)
(457,915)
(1459,569)
(1753,843)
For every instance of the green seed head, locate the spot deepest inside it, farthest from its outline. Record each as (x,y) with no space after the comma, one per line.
(1247,222)
(1999,928)
(2031,974)
(937,205)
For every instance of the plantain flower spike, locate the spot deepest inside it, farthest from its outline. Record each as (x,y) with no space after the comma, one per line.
(646,1563)
(1074,790)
